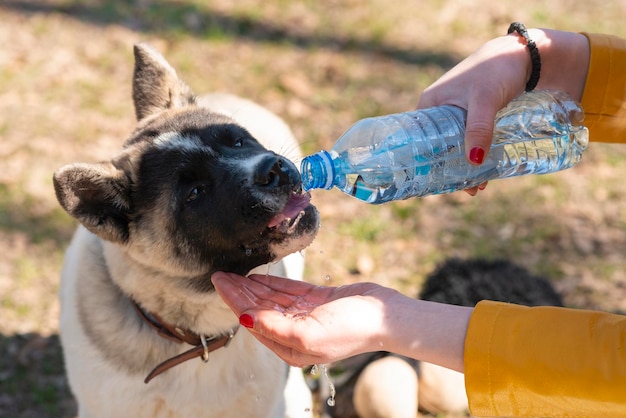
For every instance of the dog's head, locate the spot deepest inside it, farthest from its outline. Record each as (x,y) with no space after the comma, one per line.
(191,192)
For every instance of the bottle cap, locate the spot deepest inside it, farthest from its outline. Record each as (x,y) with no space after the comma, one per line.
(317,171)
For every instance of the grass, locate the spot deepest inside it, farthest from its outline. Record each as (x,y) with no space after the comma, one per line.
(18,212)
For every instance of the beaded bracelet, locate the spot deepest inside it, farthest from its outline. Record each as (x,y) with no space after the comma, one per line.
(535,59)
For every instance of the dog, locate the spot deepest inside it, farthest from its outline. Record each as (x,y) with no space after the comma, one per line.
(195,189)
(386,385)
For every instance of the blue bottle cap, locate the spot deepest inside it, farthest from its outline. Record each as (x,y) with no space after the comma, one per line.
(317,171)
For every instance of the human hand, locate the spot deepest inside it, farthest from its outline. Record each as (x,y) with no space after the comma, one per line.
(497,72)
(483,83)
(306,324)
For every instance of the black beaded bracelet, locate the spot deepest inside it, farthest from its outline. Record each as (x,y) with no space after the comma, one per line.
(535,59)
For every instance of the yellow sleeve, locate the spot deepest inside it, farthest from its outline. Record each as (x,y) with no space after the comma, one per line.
(604,97)
(545,361)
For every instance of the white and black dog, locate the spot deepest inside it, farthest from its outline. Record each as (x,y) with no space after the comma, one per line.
(195,189)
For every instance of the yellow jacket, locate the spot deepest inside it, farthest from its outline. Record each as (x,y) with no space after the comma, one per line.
(604,97)
(557,362)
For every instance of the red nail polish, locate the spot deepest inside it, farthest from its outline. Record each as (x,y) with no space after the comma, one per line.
(246,320)
(477,155)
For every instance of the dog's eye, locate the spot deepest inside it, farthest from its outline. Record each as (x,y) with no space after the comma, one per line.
(238,143)
(195,193)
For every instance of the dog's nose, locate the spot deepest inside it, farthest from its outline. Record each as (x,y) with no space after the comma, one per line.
(275,171)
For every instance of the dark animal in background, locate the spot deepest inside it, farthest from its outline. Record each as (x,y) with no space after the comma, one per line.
(467,282)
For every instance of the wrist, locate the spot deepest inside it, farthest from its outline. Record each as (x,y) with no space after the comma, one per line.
(520,30)
(565,60)
(428,331)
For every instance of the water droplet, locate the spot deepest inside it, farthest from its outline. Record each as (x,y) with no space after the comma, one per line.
(314,371)
(331,400)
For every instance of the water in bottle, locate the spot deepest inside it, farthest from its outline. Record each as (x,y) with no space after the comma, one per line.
(422,152)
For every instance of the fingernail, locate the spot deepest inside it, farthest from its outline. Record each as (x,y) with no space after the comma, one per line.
(246,320)
(477,155)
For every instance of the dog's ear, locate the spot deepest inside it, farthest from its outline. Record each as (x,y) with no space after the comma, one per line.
(156,86)
(97,195)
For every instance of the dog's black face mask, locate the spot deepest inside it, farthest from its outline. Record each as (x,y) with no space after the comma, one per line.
(226,201)
(192,192)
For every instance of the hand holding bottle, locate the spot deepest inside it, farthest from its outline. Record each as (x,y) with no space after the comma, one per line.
(422,152)
(497,72)
(507,63)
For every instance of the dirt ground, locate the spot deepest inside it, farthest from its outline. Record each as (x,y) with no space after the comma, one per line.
(65,68)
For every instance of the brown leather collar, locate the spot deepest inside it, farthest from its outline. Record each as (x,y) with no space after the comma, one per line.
(202,345)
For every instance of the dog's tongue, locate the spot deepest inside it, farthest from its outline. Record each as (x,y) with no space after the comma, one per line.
(296,204)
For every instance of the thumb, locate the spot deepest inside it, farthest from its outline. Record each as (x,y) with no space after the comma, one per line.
(246,320)
(482,108)
(478,134)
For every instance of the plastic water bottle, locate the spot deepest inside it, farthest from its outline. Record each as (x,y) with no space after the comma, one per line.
(420,153)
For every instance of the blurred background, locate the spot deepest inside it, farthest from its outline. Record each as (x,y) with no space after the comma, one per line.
(65,86)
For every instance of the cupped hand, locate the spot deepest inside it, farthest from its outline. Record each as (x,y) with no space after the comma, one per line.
(307,324)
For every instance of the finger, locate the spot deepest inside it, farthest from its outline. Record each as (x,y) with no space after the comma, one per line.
(237,297)
(241,294)
(275,326)
(283,285)
(288,336)
(288,354)
(473,191)
(478,131)
(267,295)
(231,284)
(295,288)
(283,351)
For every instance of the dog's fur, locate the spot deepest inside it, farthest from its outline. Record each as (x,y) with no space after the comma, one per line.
(193,191)
(390,386)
